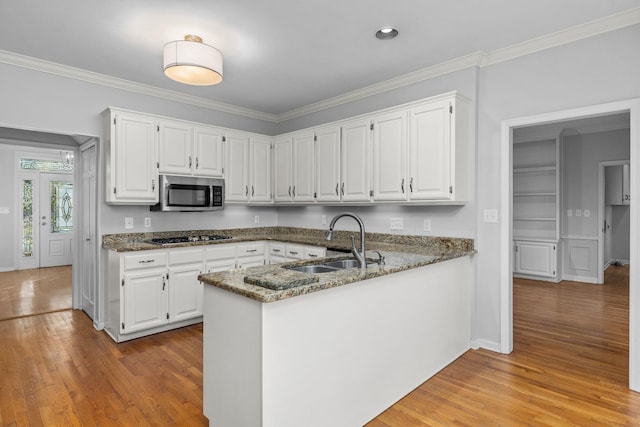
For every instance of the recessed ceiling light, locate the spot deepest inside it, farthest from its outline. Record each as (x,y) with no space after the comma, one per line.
(386,33)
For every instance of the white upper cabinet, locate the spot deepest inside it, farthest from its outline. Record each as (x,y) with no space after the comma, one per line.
(293,164)
(208,151)
(438,150)
(390,157)
(327,164)
(131,158)
(175,148)
(237,173)
(303,167)
(248,173)
(260,168)
(282,168)
(185,149)
(355,185)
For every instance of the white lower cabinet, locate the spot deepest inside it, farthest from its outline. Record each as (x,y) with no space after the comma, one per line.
(535,258)
(251,255)
(144,300)
(158,290)
(220,258)
(185,290)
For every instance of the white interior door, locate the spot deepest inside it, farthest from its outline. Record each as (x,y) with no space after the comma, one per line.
(56,219)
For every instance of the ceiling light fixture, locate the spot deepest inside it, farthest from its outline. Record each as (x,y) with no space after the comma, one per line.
(192,62)
(386,33)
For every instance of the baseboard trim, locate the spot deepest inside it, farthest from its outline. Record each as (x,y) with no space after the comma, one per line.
(485,345)
(593,280)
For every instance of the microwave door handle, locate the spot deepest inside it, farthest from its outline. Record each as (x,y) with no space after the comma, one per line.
(211,192)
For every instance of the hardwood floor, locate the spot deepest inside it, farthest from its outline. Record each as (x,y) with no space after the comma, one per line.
(36,291)
(569,367)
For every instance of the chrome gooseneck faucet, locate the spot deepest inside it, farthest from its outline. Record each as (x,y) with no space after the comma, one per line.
(359,255)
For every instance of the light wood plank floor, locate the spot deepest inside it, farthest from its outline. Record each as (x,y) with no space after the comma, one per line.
(35,291)
(569,367)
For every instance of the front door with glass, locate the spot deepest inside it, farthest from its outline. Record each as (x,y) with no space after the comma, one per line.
(56,219)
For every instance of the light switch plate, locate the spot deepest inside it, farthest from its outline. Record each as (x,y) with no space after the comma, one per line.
(128,222)
(147,222)
(569,212)
(490,215)
(587,213)
(256,219)
(4,211)
(427,225)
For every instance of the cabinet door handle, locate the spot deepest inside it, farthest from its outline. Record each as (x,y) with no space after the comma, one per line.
(411,185)
(252,191)
(313,256)
(342,189)
(275,250)
(153,185)
(402,185)
(146,261)
(293,252)
(197,163)
(189,161)
(337,185)
(289,191)
(294,191)
(164,283)
(246,190)
(252,250)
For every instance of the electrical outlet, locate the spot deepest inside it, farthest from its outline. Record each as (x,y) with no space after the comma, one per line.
(396,223)
(587,213)
(578,212)
(256,219)
(324,219)
(147,222)
(128,222)
(569,212)
(427,225)
(4,211)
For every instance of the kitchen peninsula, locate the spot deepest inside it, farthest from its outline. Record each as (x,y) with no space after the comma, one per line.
(335,348)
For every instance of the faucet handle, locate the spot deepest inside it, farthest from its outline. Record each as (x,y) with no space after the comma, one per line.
(380,257)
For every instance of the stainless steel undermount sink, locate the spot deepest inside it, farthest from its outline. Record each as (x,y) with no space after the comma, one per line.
(312,269)
(328,266)
(344,263)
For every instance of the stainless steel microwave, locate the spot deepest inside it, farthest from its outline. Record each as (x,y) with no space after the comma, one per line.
(189,194)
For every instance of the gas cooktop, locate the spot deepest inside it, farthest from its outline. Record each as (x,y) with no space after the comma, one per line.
(186,239)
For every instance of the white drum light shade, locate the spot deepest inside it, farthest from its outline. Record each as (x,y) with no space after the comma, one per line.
(192,62)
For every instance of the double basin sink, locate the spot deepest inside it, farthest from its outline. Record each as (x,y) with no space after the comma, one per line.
(329,266)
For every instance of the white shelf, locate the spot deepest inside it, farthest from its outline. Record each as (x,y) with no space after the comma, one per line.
(534,194)
(535,169)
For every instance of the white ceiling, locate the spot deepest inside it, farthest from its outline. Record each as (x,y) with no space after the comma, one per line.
(282,55)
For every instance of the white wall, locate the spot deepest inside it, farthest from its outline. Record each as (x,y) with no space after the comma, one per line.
(587,72)
(581,155)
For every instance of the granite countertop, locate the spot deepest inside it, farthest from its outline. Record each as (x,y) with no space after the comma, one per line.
(275,282)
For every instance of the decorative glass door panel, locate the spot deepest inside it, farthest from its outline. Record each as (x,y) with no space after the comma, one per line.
(56,221)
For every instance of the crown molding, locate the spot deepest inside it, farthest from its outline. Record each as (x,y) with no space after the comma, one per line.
(127,85)
(476,59)
(562,37)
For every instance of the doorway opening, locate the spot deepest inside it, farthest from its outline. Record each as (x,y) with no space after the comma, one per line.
(632,108)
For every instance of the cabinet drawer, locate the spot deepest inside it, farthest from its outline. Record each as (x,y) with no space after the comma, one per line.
(189,256)
(276,249)
(220,252)
(146,260)
(295,251)
(251,250)
(314,252)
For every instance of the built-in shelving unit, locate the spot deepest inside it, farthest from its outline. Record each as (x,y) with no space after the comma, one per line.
(536,207)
